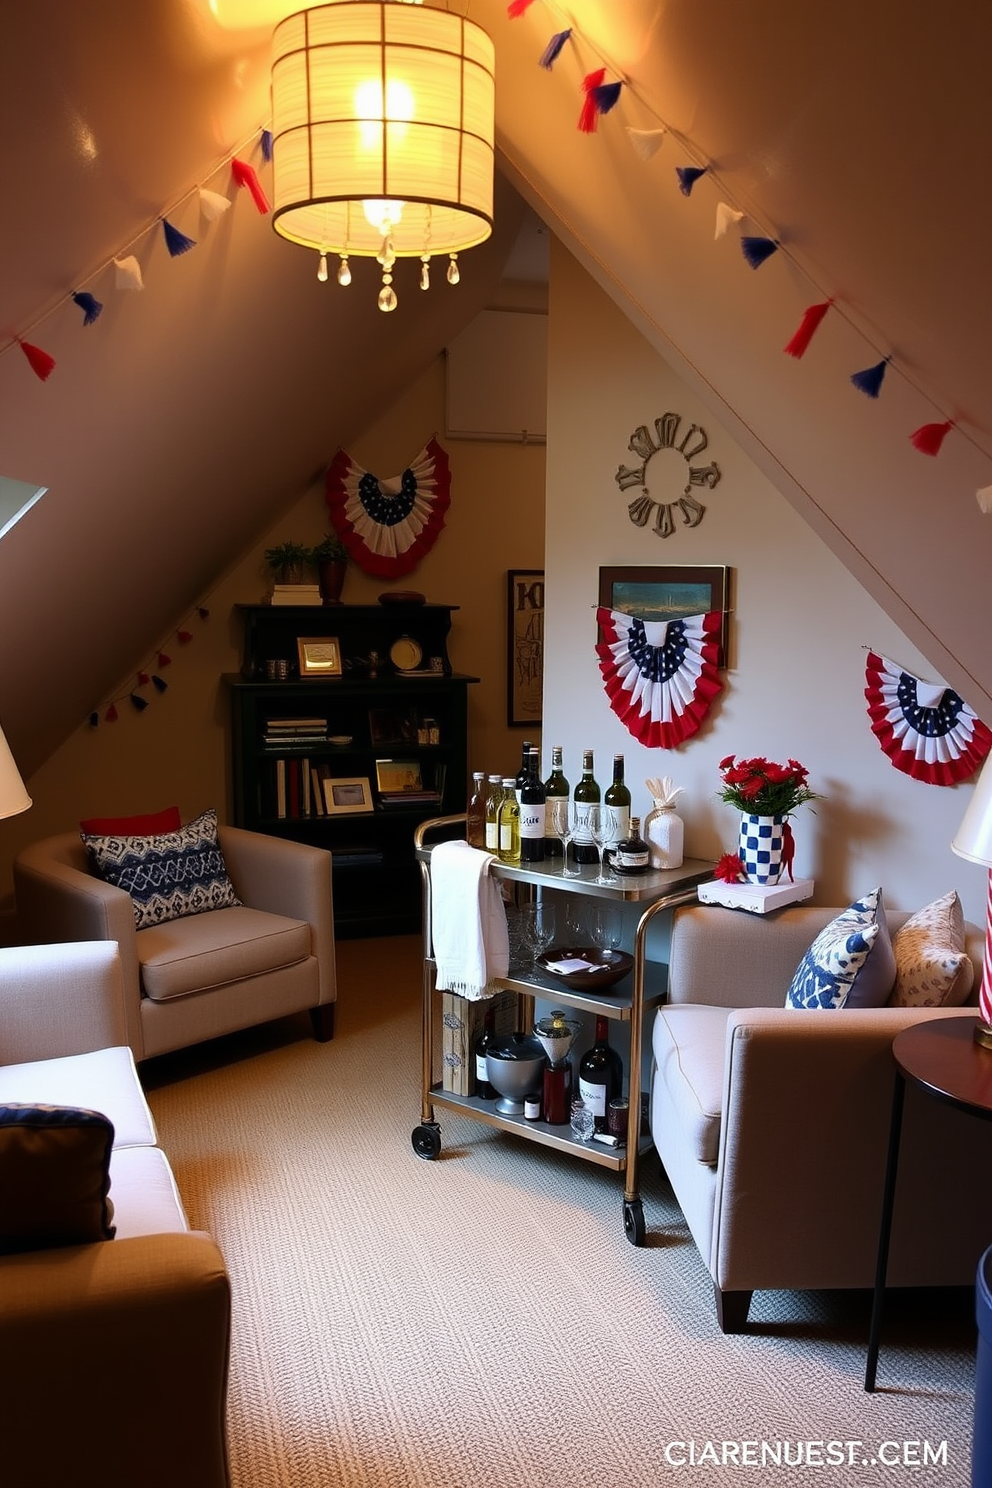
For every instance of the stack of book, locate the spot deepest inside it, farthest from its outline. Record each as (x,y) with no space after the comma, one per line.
(296,594)
(290,733)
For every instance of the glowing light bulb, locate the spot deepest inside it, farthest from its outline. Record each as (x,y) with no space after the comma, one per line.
(383,214)
(322,269)
(344,270)
(371,115)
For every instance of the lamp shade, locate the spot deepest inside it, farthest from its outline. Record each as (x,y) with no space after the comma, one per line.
(382,128)
(13,796)
(973,839)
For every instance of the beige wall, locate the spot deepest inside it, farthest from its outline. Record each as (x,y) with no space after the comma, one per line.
(800,627)
(177,749)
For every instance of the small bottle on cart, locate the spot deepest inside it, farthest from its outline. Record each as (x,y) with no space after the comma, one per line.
(475,815)
(632,854)
(509,824)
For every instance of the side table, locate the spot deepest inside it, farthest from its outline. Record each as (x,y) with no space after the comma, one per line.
(941,1057)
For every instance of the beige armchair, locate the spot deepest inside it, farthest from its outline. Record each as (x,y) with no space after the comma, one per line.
(204,975)
(772,1123)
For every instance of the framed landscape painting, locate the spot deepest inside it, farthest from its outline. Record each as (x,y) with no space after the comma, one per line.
(668,592)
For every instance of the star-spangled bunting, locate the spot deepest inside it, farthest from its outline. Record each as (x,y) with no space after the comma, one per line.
(388,524)
(926,729)
(660,676)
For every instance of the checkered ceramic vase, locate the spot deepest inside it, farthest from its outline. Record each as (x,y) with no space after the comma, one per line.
(761,847)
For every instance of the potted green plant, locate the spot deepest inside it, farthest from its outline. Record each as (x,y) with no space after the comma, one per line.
(290,562)
(331,558)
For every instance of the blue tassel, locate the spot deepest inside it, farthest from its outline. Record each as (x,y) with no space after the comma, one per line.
(175,241)
(870,380)
(688,176)
(94,720)
(550,54)
(265,140)
(138,702)
(605,96)
(89,305)
(756,250)
(159,683)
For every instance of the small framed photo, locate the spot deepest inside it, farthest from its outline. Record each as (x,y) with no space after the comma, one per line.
(349,795)
(396,776)
(668,593)
(320,656)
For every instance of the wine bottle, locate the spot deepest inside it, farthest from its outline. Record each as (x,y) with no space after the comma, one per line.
(586,794)
(483,1089)
(632,854)
(532,812)
(509,824)
(524,770)
(600,1074)
(494,797)
(555,785)
(475,813)
(617,803)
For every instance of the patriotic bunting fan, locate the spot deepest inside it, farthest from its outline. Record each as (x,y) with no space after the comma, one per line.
(926,730)
(388,524)
(660,676)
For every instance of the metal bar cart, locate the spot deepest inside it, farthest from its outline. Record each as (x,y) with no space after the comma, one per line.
(628,1001)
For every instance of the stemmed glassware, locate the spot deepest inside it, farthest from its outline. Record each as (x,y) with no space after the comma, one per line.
(563,824)
(537,927)
(600,824)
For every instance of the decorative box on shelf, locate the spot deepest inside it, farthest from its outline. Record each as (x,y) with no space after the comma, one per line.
(757,898)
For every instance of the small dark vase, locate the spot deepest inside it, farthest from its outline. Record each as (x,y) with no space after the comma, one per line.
(330,577)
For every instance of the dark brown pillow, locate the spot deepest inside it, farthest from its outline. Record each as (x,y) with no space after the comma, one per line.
(54,1177)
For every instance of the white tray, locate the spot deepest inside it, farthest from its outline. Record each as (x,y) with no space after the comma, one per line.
(758,898)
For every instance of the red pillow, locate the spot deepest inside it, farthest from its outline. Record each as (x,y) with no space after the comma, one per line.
(152,824)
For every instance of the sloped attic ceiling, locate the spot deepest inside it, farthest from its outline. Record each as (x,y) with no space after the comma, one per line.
(177,427)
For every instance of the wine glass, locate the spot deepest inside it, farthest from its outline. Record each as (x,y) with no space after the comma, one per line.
(563,823)
(601,826)
(538,927)
(606,926)
(582,1121)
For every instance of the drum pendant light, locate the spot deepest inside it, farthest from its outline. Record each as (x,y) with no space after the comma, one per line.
(382,135)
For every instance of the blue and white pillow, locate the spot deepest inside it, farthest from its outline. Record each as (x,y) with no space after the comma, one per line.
(169,876)
(850,963)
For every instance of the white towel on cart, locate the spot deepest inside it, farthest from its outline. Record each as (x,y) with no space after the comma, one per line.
(468,921)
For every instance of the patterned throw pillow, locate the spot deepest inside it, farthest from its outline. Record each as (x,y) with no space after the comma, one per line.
(850,963)
(55,1177)
(933,969)
(170,876)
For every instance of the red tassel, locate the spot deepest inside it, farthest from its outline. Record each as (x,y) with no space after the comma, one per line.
(111,714)
(164,660)
(590,113)
(245,175)
(517,8)
(184,637)
(143,679)
(929,437)
(807,329)
(42,365)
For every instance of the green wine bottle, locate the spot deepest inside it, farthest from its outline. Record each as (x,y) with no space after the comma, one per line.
(555,785)
(617,803)
(586,794)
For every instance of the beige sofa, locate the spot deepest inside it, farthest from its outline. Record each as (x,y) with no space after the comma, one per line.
(117,1350)
(772,1123)
(208,974)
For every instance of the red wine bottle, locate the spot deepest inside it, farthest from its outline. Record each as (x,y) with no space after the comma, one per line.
(600,1074)
(483,1089)
(532,810)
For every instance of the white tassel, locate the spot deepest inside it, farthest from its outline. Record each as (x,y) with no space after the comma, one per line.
(984,499)
(128,275)
(646,142)
(725,216)
(212,204)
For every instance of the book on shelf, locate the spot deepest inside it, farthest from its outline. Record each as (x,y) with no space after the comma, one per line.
(296,594)
(286,741)
(293,725)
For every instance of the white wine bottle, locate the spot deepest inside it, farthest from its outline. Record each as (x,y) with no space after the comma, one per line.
(586,794)
(509,823)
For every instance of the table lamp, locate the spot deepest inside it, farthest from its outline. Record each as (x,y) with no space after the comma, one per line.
(13,796)
(974,842)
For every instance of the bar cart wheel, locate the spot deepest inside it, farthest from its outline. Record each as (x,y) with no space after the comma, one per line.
(426,1140)
(633,1221)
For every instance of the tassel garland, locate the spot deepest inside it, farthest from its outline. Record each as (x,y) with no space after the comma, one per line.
(551,52)
(138,703)
(647,142)
(128,273)
(212,204)
(160,684)
(163,660)
(265,144)
(688,176)
(517,8)
(808,327)
(40,362)
(589,114)
(726,216)
(175,241)
(929,437)
(111,715)
(245,175)
(870,380)
(89,305)
(757,250)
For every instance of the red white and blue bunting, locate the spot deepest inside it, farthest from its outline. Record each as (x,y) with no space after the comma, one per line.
(389,523)
(925,728)
(660,676)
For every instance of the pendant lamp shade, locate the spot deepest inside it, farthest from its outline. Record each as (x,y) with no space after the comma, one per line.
(382,130)
(13,796)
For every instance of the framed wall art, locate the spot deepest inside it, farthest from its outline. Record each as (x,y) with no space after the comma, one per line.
(349,795)
(669,592)
(524,647)
(320,656)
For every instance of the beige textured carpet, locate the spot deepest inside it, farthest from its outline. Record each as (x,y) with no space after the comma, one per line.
(481,1321)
